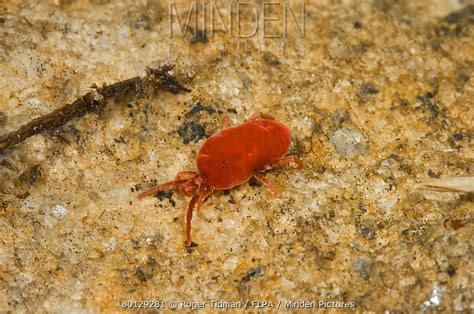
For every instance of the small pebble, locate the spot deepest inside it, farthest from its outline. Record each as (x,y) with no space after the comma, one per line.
(455,136)
(340,116)
(366,91)
(59,210)
(198,107)
(349,142)
(31,175)
(368,229)
(142,274)
(434,301)
(110,244)
(362,267)
(451,271)
(191,132)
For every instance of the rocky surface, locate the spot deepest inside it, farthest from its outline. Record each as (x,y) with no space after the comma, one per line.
(378,96)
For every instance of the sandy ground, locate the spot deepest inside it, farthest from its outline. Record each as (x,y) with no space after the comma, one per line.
(378,97)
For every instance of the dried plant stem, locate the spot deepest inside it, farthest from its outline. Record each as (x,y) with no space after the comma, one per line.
(92,101)
(449,184)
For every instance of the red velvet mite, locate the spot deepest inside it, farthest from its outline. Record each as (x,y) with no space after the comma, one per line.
(230,158)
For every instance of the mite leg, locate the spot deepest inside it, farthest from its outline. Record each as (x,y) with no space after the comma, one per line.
(225,122)
(260,115)
(202,198)
(189,217)
(195,202)
(267,183)
(286,160)
(181,178)
(159,187)
(185,175)
(277,163)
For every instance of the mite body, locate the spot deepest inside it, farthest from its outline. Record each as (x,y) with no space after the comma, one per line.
(230,158)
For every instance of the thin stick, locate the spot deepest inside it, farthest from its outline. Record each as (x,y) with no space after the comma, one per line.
(449,184)
(92,101)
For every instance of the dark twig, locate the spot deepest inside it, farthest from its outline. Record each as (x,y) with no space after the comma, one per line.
(92,101)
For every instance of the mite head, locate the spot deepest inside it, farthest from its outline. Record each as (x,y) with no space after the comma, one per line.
(193,185)
(190,182)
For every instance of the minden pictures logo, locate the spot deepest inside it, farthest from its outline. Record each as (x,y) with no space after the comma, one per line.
(241,28)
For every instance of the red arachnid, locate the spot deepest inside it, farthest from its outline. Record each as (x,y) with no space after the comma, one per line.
(230,158)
